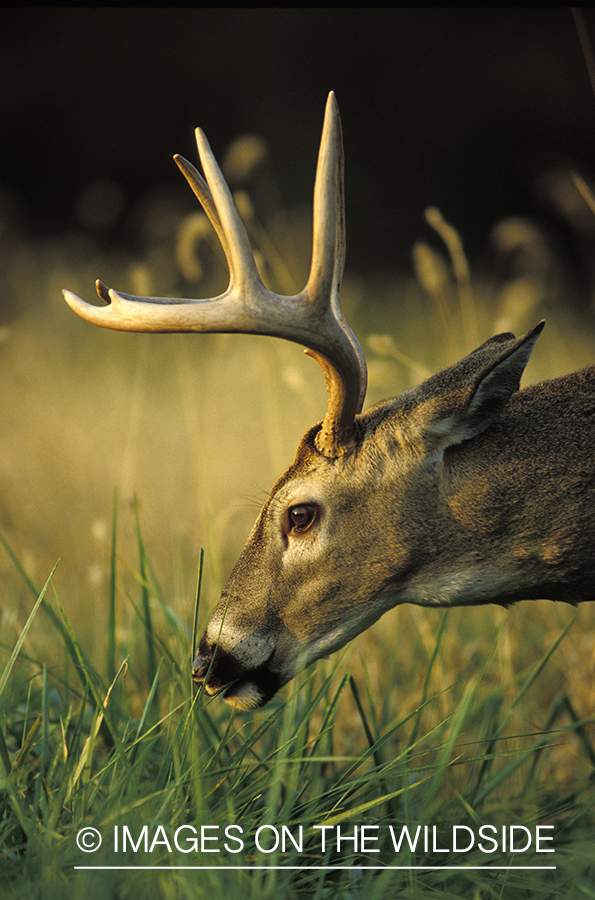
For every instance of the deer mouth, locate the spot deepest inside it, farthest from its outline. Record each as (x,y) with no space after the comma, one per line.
(247,689)
(252,692)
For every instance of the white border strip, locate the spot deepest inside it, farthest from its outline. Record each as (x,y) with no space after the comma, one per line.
(305,868)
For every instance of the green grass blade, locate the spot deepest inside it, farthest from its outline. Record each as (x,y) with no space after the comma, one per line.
(17,647)
(44,605)
(196,602)
(85,669)
(146,608)
(111,625)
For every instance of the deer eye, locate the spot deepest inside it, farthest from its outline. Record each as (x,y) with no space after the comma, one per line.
(301,517)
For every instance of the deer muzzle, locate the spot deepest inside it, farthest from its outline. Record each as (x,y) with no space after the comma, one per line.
(243,684)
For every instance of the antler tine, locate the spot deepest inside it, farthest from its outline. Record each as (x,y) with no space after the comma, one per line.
(229,312)
(312,318)
(244,277)
(203,193)
(340,247)
(345,373)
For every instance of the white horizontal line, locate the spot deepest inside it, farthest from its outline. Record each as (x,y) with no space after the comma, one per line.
(302,868)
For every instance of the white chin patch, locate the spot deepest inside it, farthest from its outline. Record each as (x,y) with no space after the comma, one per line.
(245,695)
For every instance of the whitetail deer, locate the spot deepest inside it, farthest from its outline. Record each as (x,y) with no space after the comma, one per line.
(462,491)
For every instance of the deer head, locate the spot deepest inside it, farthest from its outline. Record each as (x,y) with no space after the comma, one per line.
(449,494)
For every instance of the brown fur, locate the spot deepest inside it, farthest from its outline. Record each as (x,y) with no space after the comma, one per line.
(462,491)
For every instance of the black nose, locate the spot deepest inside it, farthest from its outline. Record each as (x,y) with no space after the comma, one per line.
(200,668)
(221,667)
(203,657)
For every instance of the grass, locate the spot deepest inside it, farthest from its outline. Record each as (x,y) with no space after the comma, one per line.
(188,783)
(429,720)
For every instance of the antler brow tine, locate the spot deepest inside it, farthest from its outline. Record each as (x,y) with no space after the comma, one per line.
(312,318)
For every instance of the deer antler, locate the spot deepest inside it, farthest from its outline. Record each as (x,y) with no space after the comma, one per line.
(312,318)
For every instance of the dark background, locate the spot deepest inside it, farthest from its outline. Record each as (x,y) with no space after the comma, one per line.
(460,109)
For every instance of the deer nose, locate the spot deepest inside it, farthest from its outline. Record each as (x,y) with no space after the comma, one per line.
(200,667)
(245,686)
(221,667)
(206,659)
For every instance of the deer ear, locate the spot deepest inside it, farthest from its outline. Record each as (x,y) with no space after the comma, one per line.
(491,390)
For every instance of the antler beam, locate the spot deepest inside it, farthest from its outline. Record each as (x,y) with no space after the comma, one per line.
(312,318)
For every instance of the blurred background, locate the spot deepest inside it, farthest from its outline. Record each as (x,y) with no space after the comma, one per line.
(488,115)
(468,110)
